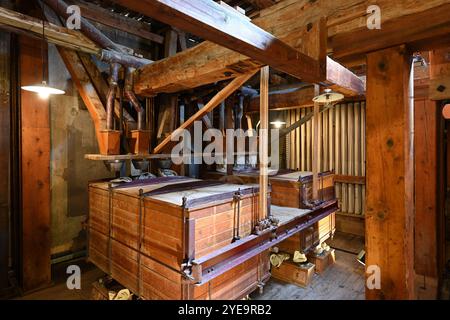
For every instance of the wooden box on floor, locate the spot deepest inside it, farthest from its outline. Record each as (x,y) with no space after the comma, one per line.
(297,274)
(142,236)
(323,261)
(307,239)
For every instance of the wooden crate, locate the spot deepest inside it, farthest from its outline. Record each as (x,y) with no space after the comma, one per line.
(159,282)
(323,261)
(295,189)
(308,239)
(300,275)
(289,189)
(142,241)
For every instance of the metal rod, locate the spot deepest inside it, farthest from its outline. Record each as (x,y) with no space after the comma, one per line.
(129,94)
(111,97)
(60,7)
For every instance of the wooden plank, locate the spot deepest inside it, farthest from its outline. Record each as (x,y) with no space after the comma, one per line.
(117,21)
(439,85)
(85,88)
(262,4)
(315,152)
(35,171)
(357,161)
(5,154)
(300,98)
(350,179)
(425,153)
(54,34)
(214,102)
(390,211)
(230,29)
(171,43)
(343,80)
(288,21)
(264,143)
(402,22)
(351,156)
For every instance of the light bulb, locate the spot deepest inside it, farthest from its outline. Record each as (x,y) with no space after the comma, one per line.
(44,95)
(278,124)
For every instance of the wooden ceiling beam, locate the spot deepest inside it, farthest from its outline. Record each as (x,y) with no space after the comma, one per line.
(230,29)
(54,34)
(263,4)
(117,21)
(439,86)
(290,21)
(293,99)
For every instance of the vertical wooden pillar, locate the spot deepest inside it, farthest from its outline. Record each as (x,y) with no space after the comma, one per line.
(264,142)
(390,184)
(316,147)
(5,138)
(35,170)
(426,123)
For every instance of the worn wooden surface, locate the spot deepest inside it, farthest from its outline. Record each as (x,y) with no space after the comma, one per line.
(308,239)
(425,143)
(439,74)
(35,164)
(264,141)
(230,29)
(292,273)
(5,144)
(390,186)
(289,21)
(342,281)
(54,34)
(147,256)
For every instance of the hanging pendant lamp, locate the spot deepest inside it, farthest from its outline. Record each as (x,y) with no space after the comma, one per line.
(328,97)
(43,89)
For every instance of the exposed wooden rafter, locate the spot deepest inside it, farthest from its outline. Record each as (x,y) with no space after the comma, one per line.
(348,38)
(54,34)
(117,21)
(299,98)
(232,30)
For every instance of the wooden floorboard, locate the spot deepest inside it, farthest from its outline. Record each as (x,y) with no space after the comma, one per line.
(342,281)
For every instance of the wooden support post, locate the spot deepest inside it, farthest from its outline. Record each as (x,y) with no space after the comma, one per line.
(390,203)
(315,152)
(35,171)
(5,151)
(264,143)
(440,74)
(214,102)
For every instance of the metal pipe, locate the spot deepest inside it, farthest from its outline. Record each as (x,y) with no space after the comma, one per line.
(124,59)
(111,53)
(111,97)
(60,7)
(129,94)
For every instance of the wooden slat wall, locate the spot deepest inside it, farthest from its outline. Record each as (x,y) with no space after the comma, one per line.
(342,141)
